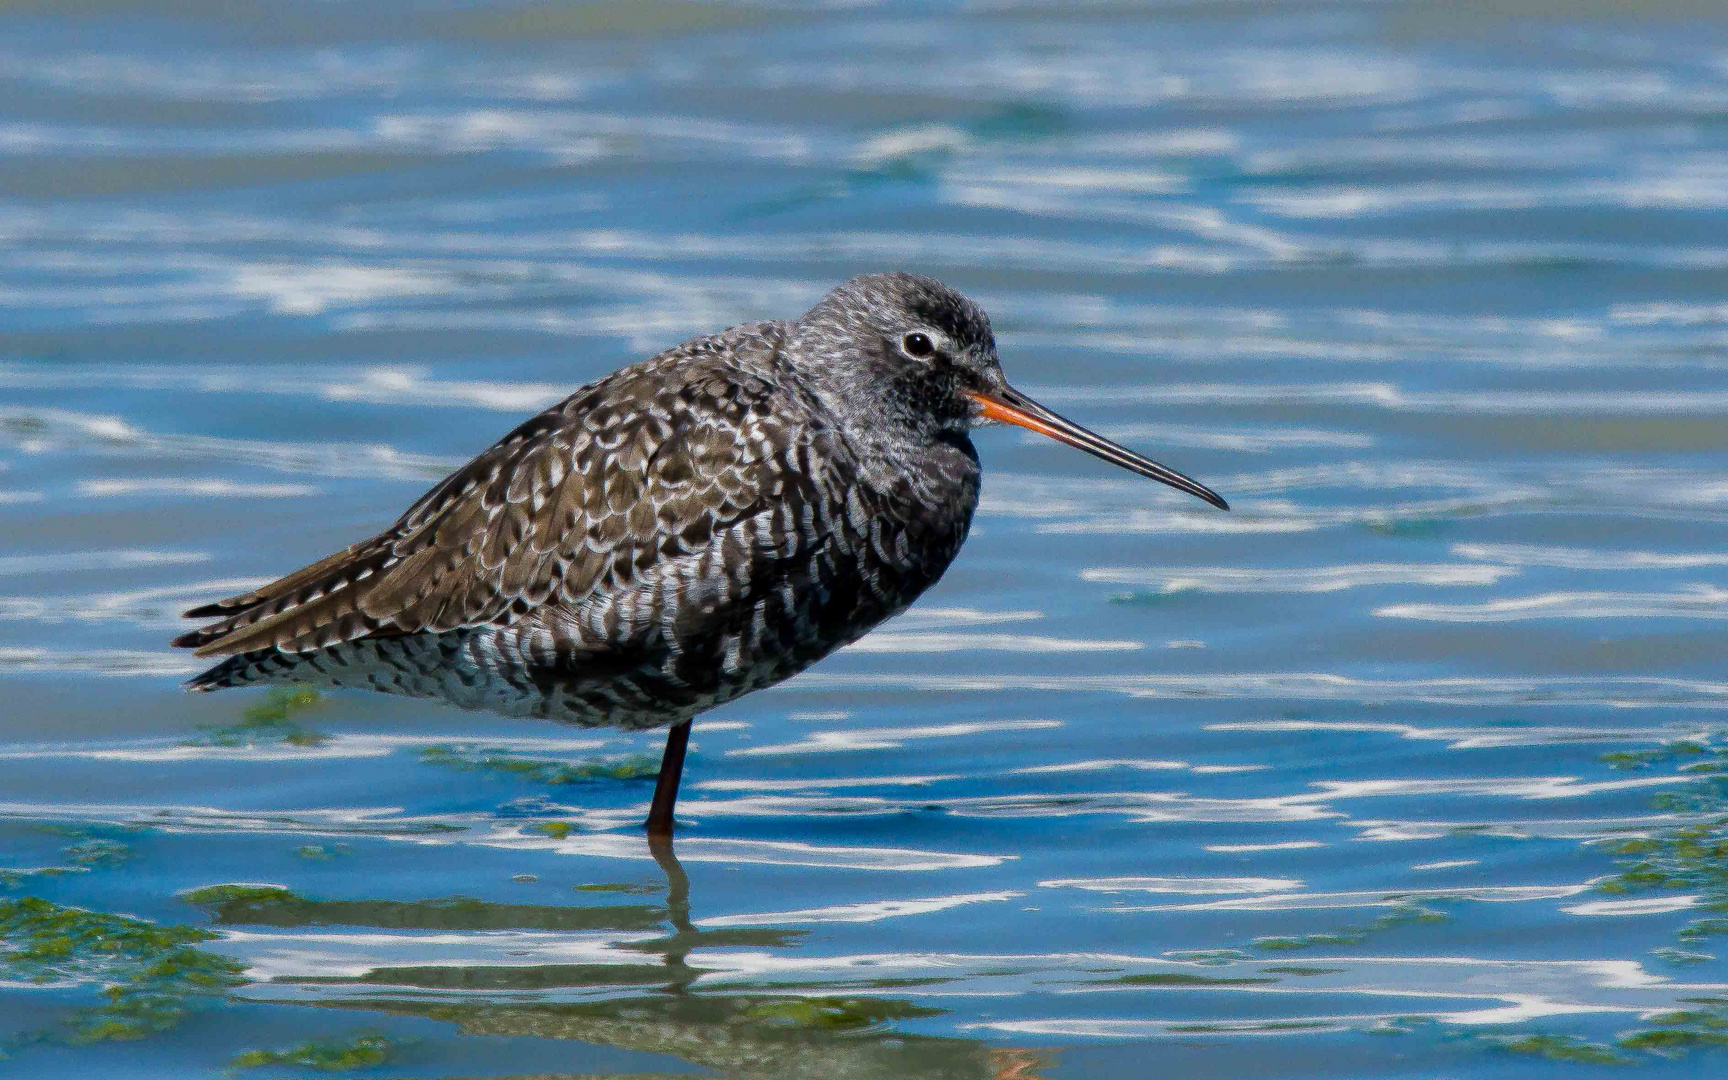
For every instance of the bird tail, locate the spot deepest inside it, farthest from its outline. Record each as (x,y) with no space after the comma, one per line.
(265,665)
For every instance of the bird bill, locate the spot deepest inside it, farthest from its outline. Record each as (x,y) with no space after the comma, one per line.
(1010,406)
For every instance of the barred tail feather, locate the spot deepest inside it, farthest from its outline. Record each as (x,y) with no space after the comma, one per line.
(244,669)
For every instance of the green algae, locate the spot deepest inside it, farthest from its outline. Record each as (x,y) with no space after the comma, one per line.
(1401,915)
(747,1035)
(1561,1048)
(1672,1041)
(211,895)
(1643,759)
(153,974)
(1264,1027)
(836,1014)
(1690,857)
(1309,941)
(272,720)
(1182,979)
(12,877)
(1674,1033)
(1401,1025)
(539,771)
(507,978)
(1700,929)
(242,904)
(321,852)
(362,1050)
(1209,957)
(557,830)
(1408,528)
(99,851)
(630,888)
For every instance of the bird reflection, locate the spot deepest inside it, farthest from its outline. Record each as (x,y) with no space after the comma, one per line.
(684,936)
(749,1032)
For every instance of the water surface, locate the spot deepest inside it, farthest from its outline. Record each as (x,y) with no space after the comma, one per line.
(1408,766)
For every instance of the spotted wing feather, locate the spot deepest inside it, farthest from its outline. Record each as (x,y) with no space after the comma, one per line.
(577,499)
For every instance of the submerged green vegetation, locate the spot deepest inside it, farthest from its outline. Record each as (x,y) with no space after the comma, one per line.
(12,877)
(152,975)
(275,719)
(1183,979)
(321,852)
(362,1050)
(273,905)
(1416,528)
(834,1014)
(1560,1048)
(99,851)
(1683,1029)
(1692,855)
(1670,1035)
(1399,915)
(499,762)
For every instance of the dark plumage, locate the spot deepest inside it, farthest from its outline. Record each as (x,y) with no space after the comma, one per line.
(702,524)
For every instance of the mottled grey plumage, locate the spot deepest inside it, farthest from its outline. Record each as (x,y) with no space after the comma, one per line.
(681,532)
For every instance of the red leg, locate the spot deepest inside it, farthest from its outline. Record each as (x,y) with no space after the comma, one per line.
(666,788)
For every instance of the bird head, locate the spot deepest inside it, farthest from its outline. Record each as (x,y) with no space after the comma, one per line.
(905,353)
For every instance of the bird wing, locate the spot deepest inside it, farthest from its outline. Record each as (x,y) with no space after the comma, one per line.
(634,469)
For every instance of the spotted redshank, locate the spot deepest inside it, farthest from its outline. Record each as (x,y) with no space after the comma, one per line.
(684,531)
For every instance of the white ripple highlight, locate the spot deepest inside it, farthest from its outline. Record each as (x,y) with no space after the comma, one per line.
(170,485)
(1477,401)
(1264,441)
(156,607)
(873,911)
(44,431)
(1317,579)
(759,852)
(1691,602)
(1479,738)
(1493,787)
(97,560)
(757,784)
(1186,886)
(1337,901)
(889,738)
(894,641)
(110,662)
(1650,905)
(1619,691)
(1102,765)
(1571,558)
(944,618)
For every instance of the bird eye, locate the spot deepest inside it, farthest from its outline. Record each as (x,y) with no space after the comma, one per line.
(918,345)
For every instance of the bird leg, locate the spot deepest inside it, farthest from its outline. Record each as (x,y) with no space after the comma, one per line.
(666,788)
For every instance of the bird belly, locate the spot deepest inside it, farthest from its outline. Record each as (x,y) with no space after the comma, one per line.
(689,634)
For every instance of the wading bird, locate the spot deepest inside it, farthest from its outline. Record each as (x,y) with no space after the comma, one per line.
(679,533)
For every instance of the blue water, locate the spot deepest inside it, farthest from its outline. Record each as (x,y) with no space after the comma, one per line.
(1408,766)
